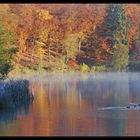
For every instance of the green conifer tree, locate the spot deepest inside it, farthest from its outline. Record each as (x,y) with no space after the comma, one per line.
(114,29)
(134,63)
(7,49)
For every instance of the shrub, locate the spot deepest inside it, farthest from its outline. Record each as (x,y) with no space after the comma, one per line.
(84,67)
(98,68)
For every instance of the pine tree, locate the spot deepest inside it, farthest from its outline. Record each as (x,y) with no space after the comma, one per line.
(120,56)
(6,50)
(137,45)
(114,29)
(135,53)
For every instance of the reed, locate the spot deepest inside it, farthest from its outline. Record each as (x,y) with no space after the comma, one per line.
(14,92)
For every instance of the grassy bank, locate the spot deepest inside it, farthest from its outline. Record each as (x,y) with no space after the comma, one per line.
(28,72)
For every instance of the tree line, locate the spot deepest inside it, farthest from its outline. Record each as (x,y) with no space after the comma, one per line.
(66,36)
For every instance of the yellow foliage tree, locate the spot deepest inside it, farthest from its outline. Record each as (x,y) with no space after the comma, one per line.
(43,14)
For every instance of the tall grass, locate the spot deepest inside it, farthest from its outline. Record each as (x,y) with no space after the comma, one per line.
(13,93)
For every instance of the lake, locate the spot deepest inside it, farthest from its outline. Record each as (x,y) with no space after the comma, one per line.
(68,105)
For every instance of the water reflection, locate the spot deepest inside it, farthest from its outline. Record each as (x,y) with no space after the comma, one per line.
(106,91)
(8,118)
(8,115)
(67,104)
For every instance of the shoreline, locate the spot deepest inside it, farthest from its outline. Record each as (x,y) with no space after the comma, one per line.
(19,75)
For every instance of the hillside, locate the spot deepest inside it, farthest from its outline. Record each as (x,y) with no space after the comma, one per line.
(64,36)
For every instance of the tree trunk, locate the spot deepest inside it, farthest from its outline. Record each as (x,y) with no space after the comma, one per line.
(31,58)
(49,54)
(79,46)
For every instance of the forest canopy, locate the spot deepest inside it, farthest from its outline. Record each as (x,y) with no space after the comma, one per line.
(69,36)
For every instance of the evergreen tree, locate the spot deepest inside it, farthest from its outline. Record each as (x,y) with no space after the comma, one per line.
(135,53)
(6,50)
(114,29)
(120,56)
(137,46)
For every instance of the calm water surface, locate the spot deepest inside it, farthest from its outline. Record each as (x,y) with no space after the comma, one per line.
(67,105)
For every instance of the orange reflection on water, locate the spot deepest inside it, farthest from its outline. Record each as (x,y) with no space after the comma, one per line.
(57,111)
(70,107)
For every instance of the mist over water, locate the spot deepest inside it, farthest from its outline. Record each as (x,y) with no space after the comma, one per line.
(67,104)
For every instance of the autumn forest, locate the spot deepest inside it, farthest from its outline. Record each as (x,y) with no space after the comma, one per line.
(69,69)
(85,37)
